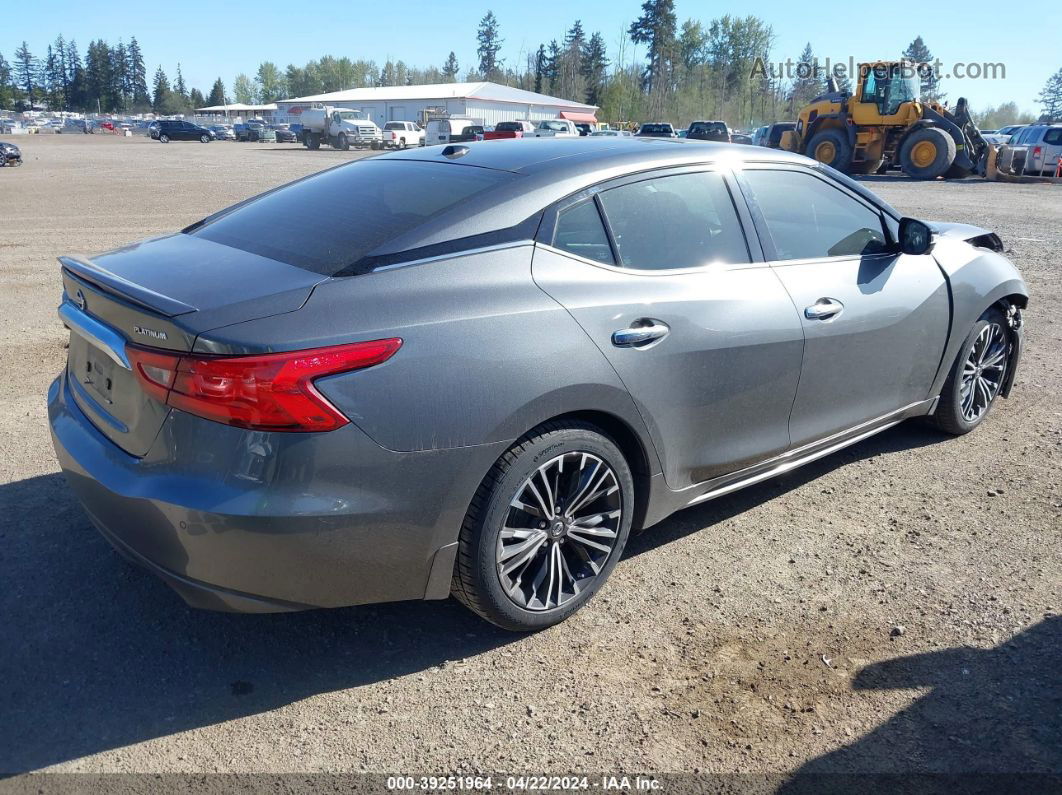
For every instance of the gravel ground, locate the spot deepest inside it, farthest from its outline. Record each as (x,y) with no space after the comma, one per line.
(892,608)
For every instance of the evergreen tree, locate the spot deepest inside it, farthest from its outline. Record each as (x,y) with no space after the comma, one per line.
(594,68)
(137,75)
(918,52)
(1050,98)
(7,89)
(26,67)
(490,43)
(450,68)
(75,77)
(552,63)
(99,81)
(196,99)
(656,29)
(179,88)
(540,67)
(808,82)
(62,74)
(162,100)
(53,81)
(243,90)
(217,94)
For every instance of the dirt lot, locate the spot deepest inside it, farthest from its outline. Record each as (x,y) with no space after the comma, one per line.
(752,634)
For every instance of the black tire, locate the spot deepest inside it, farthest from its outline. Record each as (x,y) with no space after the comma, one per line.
(163,138)
(315,141)
(942,159)
(477,582)
(344,144)
(833,147)
(204,138)
(949,416)
(3,160)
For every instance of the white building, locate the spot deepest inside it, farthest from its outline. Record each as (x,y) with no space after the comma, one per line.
(237,110)
(488,102)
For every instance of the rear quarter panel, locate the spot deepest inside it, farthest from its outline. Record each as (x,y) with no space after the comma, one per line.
(486,355)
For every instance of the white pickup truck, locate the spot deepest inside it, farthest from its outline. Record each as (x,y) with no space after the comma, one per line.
(555,128)
(400,134)
(341,128)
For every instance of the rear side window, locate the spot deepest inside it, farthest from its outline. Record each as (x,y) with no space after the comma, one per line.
(331,220)
(681,221)
(1053,136)
(809,219)
(580,231)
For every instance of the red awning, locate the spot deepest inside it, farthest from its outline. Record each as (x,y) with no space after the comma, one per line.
(586,118)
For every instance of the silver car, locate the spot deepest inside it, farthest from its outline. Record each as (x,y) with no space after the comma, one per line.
(1043,145)
(481,376)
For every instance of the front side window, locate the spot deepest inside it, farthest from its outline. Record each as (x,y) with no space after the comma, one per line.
(580,231)
(809,219)
(681,221)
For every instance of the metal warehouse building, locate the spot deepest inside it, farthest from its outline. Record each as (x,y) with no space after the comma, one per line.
(488,102)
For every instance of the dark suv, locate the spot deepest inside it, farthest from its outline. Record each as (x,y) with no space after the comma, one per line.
(656,130)
(709,131)
(176,130)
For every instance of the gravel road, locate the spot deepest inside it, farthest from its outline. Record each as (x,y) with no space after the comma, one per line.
(892,608)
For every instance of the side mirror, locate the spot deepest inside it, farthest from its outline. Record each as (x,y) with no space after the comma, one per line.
(915,236)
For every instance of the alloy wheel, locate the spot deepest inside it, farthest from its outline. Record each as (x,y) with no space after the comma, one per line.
(560,530)
(983,371)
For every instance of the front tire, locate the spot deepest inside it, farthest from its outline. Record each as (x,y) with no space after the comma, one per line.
(545,528)
(832,148)
(164,139)
(343,143)
(976,377)
(927,153)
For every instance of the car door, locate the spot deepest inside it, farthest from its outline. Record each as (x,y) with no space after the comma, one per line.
(875,320)
(658,272)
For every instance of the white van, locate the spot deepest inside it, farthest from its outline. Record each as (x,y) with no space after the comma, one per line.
(453,130)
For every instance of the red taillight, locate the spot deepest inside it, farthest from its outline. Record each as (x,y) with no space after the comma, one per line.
(1037,150)
(273,391)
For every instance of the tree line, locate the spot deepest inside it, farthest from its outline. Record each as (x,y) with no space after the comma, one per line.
(696,69)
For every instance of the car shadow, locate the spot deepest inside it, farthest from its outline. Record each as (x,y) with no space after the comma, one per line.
(99,654)
(991,722)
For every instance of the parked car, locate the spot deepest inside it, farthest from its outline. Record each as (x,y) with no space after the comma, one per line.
(10,155)
(510,129)
(584,128)
(248,131)
(453,130)
(178,130)
(556,128)
(481,374)
(223,132)
(1006,133)
(267,135)
(708,131)
(682,132)
(283,134)
(612,133)
(775,132)
(1043,143)
(400,134)
(760,136)
(741,138)
(656,130)
(75,126)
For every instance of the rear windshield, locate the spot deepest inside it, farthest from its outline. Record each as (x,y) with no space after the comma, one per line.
(708,127)
(331,220)
(656,128)
(509,126)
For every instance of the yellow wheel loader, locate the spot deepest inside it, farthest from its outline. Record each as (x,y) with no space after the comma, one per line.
(884,122)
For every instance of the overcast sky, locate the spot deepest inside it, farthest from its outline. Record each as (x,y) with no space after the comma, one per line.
(225,37)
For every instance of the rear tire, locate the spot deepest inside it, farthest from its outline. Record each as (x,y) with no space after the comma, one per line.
(554,556)
(343,143)
(832,148)
(927,153)
(976,376)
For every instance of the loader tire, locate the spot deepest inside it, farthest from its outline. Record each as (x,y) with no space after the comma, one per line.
(927,153)
(832,148)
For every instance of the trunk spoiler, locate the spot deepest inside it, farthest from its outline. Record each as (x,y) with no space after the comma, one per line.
(84,268)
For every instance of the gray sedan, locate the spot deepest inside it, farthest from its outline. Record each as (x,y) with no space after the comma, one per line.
(481,376)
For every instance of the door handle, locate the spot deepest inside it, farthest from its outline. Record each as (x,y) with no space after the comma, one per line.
(824,309)
(639,335)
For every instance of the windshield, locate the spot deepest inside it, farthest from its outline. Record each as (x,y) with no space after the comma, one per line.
(657,128)
(903,87)
(351,115)
(331,220)
(554,125)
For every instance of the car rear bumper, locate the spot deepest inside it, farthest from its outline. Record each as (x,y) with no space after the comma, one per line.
(251,521)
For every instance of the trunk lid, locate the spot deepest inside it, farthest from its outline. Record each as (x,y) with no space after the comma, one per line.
(161,294)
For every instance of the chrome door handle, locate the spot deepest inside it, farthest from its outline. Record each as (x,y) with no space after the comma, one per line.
(824,309)
(639,335)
